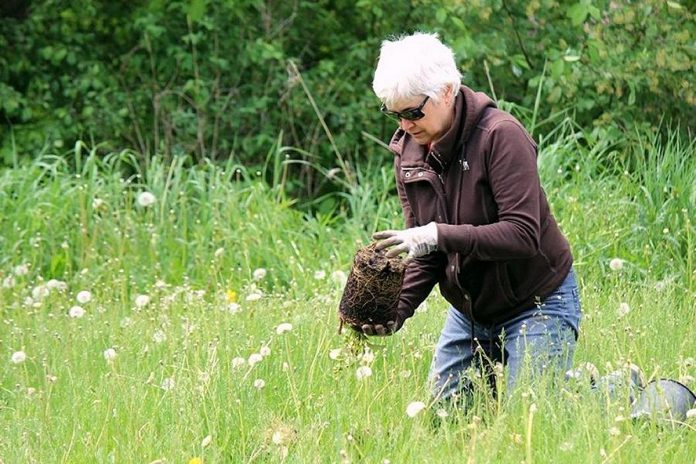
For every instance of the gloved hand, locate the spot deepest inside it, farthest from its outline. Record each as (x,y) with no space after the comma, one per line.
(381,330)
(416,241)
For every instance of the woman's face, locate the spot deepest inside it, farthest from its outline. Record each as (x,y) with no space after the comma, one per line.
(432,126)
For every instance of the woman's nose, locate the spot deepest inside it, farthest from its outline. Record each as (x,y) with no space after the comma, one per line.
(405,124)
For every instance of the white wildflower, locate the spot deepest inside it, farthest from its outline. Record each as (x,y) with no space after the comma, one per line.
(55,284)
(624,309)
(142,300)
(18,357)
(168,384)
(284,327)
(363,372)
(159,336)
(146,199)
(39,292)
(335,353)
(109,354)
(84,297)
(234,308)
(22,269)
(76,312)
(616,264)
(254,296)
(254,359)
(259,273)
(414,408)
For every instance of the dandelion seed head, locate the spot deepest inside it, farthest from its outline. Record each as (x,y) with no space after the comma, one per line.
(284,327)
(335,353)
(146,199)
(58,285)
(319,275)
(234,308)
(254,359)
(623,309)
(616,264)
(259,273)
(76,312)
(159,336)
(363,372)
(84,297)
(238,362)
(259,384)
(21,270)
(18,357)
(254,296)
(339,277)
(39,292)
(206,441)
(141,301)
(168,384)
(414,408)
(265,351)
(109,354)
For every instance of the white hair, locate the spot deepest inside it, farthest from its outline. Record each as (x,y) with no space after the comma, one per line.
(418,64)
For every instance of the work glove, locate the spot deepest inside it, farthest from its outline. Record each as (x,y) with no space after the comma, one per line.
(381,330)
(416,241)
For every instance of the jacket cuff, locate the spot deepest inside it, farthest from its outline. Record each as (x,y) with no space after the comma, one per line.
(455,238)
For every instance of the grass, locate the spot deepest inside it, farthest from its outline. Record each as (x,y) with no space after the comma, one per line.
(174,381)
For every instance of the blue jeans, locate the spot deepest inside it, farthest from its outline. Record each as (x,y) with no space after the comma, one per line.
(541,337)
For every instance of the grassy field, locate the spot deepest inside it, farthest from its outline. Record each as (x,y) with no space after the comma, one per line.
(197,322)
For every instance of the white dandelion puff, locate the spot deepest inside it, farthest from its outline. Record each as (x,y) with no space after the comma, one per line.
(238,362)
(8,282)
(76,312)
(259,273)
(284,327)
(146,199)
(206,441)
(339,277)
(363,372)
(21,270)
(335,353)
(142,300)
(84,297)
(616,264)
(55,284)
(254,296)
(259,384)
(39,292)
(254,359)
(265,351)
(624,309)
(18,357)
(168,384)
(414,408)
(97,203)
(234,308)
(109,354)
(159,336)
(319,275)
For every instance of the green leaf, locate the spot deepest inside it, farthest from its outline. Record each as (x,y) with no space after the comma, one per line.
(196,9)
(577,14)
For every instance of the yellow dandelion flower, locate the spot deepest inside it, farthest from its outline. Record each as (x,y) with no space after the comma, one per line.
(195,460)
(231,296)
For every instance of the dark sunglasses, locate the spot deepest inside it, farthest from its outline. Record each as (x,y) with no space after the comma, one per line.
(409,114)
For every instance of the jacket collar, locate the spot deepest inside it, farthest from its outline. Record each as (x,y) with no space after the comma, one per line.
(468,109)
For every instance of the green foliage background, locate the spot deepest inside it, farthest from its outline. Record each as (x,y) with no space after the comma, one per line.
(229,78)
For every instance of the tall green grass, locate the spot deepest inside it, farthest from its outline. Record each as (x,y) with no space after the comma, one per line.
(174,382)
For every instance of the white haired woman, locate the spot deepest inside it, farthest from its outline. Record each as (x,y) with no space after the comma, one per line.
(478,223)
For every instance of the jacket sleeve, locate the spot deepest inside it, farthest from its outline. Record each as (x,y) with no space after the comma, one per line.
(422,273)
(514,181)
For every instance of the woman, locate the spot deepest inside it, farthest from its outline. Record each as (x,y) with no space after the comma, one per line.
(478,223)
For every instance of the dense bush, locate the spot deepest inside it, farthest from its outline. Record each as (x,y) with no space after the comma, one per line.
(221,78)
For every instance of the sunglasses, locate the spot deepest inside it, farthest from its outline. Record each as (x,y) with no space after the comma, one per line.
(409,114)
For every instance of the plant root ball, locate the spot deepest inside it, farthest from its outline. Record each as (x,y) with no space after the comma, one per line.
(373,287)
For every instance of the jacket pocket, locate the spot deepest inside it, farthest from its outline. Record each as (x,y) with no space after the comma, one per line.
(503,280)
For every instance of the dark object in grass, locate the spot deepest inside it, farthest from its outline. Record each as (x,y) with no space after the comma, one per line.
(372,290)
(665,400)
